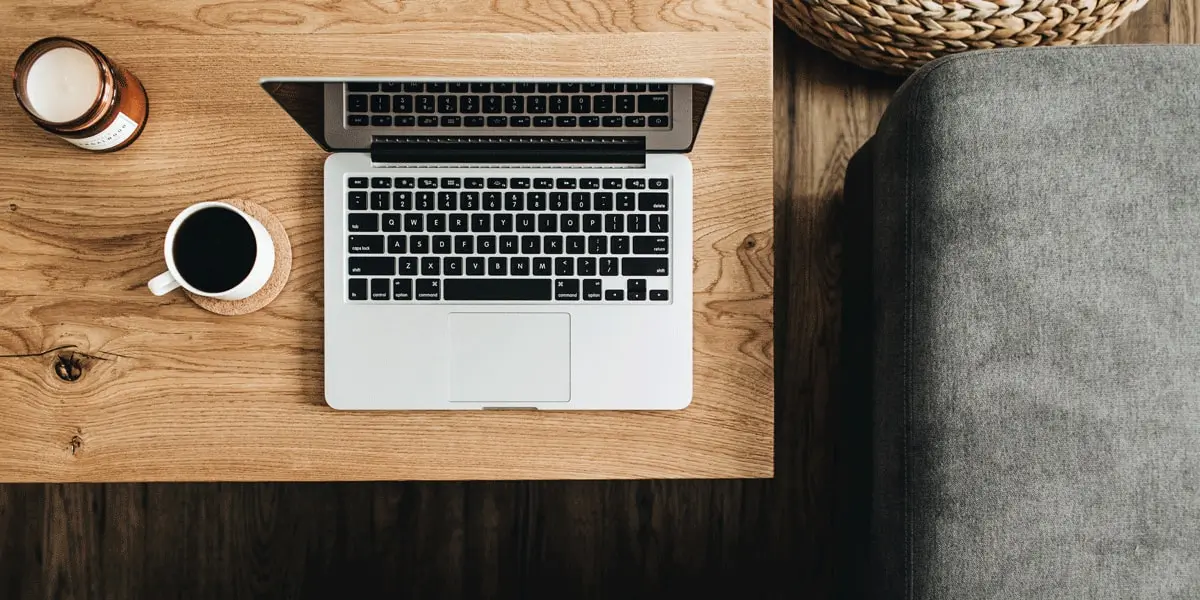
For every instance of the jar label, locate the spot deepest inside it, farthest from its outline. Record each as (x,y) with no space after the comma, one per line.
(120,130)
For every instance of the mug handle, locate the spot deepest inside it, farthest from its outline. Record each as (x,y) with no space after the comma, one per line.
(162,284)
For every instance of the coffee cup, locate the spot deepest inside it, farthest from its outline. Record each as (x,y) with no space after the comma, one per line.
(214,249)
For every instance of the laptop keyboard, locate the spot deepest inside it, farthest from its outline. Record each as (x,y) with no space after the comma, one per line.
(508,105)
(508,238)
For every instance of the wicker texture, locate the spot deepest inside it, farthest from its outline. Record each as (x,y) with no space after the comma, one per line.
(897,36)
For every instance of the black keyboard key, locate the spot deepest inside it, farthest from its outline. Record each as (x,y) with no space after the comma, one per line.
(372,265)
(657,87)
(497,265)
(502,222)
(404,121)
(552,244)
(593,289)
(565,122)
(426,104)
(406,265)
(458,87)
(651,244)
(635,184)
(480,87)
(619,244)
(569,223)
(519,266)
(497,182)
(564,183)
(473,183)
(402,289)
(625,201)
(576,244)
(402,103)
(614,87)
(448,104)
(476,265)
(637,223)
(485,244)
(414,86)
(659,183)
(505,87)
(381,182)
(492,105)
(413,223)
(468,201)
(602,201)
(380,200)
(589,183)
(366,244)
(497,289)
(626,104)
(525,88)
(643,266)
(568,88)
(435,222)
(635,121)
(652,103)
(447,201)
(614,223)
(614,295)
(427,121)
(547,88)
(356,201)
(560,104)
(564,266)
(592,88)
(429,289)
(427,183)
(591,223)
(580,104)
(586,266)
(481,223)
(406,183)
(459,223)
(473,122)
(543,121)
(397,244)
(611,183)
(509,244)
(491,201)
(652,201)
(452,266)
(431,265)
(436,87)
(519,183)
(362,86)
(566,289)
(442,244)
(658,295)
(497,121)
(581,201)
(635,87)
(381,103)
(392,223)
(514,201)
(464,244)
(597,244)
(424,201)
(635,285)
(451,121)
(602,104)
(357,103)
(658,224)
(358,289)
(358,120)
(514,104)
(418,244)
(381,120)
(659,121)
(526,223)
(541,266)
(468,105)
(536,105)
(547,223)
(358,182)
(611,121)
(365,222)
(608,266)
(531,244)
(518,121)
(559,201)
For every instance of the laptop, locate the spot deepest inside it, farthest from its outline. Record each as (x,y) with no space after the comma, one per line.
(505,243)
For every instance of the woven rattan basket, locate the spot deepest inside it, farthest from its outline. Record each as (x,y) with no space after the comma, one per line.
(897,36)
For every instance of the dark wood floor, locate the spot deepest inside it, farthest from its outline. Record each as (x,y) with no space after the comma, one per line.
(796,536)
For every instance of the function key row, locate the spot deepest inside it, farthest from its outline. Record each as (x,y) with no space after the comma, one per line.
(462,87)
(515,183)
(494,104)
(610,121)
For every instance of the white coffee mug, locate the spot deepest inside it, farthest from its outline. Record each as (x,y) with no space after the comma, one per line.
(260,272)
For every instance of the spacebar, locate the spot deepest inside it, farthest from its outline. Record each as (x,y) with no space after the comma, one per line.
(495,289)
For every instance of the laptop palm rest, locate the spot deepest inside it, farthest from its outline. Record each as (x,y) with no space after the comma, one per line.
(510,357)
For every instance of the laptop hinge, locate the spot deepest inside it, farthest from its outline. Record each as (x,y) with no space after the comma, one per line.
(488,150)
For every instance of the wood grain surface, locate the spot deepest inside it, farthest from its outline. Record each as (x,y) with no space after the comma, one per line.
(101,381)
(797,535)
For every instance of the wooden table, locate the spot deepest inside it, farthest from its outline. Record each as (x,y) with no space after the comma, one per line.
(101,381)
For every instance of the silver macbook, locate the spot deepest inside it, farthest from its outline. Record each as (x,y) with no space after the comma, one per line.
(505,243)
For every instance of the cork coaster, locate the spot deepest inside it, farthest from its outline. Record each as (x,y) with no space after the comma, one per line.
(279,275)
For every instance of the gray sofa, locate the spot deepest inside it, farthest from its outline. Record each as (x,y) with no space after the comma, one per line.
(1023,313)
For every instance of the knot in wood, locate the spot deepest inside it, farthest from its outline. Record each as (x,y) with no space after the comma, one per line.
(68,367)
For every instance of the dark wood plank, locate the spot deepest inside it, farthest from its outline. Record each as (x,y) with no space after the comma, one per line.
(21,549)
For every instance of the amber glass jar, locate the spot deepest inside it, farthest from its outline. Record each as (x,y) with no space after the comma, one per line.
(72,90)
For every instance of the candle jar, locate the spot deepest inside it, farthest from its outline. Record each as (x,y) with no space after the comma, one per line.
(72,90)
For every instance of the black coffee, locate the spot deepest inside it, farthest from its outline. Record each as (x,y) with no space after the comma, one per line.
(214,249)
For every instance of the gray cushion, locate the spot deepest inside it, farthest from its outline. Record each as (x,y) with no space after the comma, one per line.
(1036,314)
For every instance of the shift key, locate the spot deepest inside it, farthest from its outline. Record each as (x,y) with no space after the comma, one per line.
(372,265)
(640,267)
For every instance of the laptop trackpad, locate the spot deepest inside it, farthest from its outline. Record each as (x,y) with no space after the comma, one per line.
(510,357)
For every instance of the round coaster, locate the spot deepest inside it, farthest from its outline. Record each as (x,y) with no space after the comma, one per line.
(279,275)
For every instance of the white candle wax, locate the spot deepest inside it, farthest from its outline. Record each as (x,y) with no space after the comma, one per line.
(62,84)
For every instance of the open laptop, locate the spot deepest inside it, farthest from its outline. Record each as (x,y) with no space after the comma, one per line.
(505,243)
